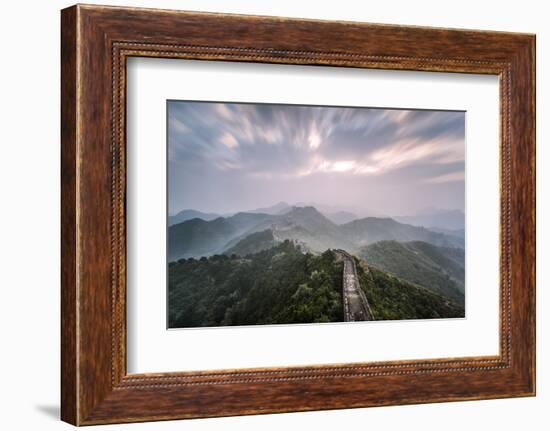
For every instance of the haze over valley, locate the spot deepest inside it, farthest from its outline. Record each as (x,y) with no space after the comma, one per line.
(196,234)
(421,265)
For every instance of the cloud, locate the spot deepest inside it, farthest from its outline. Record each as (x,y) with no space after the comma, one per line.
(291,142)
(447,178)
(229,140)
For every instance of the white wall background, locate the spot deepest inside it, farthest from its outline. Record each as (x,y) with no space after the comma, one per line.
(29,227)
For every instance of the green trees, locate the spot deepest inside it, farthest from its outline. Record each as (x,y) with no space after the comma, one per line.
(439,269)
(283,285)
(278,285)
(391,298)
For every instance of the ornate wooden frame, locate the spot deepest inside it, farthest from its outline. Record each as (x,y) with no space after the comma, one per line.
(95,43)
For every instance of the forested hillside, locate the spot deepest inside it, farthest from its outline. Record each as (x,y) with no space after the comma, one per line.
(279,285)
(286,284)
(439,269)
(391,298)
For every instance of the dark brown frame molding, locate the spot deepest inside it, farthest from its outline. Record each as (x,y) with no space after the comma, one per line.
(95,43)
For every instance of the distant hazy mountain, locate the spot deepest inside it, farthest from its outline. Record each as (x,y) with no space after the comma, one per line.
(190,214)
(439,269)
(304,225)
(443,219)
(372,229)
(253,243)
(279,208)
(340,217)
(349,210)
(194,238)
(460,233)
(197,237)
(309,226)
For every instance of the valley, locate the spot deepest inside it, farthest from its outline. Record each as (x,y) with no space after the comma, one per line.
(197,237)
(295,265)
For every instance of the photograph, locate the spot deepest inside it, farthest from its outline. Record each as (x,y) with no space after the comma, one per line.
(299,214)
(281,211)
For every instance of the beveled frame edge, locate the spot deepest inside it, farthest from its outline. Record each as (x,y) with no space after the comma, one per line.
(96,41)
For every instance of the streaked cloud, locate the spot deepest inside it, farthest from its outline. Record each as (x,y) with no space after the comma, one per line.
(293,143)
(446,178)
(229,140)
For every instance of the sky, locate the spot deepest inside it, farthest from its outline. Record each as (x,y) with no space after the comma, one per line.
(229,157)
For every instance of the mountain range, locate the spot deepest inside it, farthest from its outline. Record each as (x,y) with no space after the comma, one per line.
(185,215)
(281,264)
(430,218)
(189,214)
(438,220)
(198,237)
(439,269)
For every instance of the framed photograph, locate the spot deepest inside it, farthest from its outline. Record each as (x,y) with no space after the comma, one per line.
(264,215)
(262,260)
